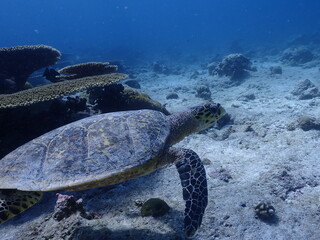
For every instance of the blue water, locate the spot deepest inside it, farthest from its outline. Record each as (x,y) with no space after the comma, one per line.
(129,29)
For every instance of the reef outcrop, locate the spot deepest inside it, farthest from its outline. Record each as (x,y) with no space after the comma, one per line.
(235,66)
(296,56)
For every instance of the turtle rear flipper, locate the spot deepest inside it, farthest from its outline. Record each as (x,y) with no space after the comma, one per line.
(194,185)
(13,202)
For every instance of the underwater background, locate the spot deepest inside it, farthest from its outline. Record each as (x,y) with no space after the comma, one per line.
(135,30)
(65,60)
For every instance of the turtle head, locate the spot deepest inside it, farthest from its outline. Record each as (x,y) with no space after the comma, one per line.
(194,120)
(207,114)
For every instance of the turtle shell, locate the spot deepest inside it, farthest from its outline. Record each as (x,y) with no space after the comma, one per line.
(96,151)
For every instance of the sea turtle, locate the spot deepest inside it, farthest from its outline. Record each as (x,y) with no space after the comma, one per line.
(107,149)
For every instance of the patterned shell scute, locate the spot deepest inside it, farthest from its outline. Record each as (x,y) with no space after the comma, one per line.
(87,150)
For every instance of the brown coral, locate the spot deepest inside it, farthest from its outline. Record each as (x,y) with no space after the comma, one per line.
(56,90)
(87,69)
(115,97)
(234,66)
(136,100)
(20,61)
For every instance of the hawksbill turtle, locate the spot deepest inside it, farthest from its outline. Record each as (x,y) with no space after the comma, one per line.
(107,149)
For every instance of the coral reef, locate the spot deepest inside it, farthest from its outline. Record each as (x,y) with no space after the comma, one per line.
(20,61)
(154,207)
(6,85)
(305,89)
(203,91)
(56,90)
(235,66)
(115,97)
(296,56)
(76,104)
(86,69)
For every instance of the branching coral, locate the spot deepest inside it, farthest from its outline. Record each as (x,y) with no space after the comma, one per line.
(19,62)
(56,90)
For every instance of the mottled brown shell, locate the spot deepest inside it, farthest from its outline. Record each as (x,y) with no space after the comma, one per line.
(96,151)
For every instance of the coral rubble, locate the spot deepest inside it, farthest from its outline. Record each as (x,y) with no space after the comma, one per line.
(305,89)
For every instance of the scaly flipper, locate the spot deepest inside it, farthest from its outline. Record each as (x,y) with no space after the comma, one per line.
(194,185)
(13,202)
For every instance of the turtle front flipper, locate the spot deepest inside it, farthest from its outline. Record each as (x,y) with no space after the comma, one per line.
(194,184)
(13,202)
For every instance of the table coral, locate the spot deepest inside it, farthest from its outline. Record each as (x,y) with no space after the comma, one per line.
(55,90)
(87,69)
(19,62)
